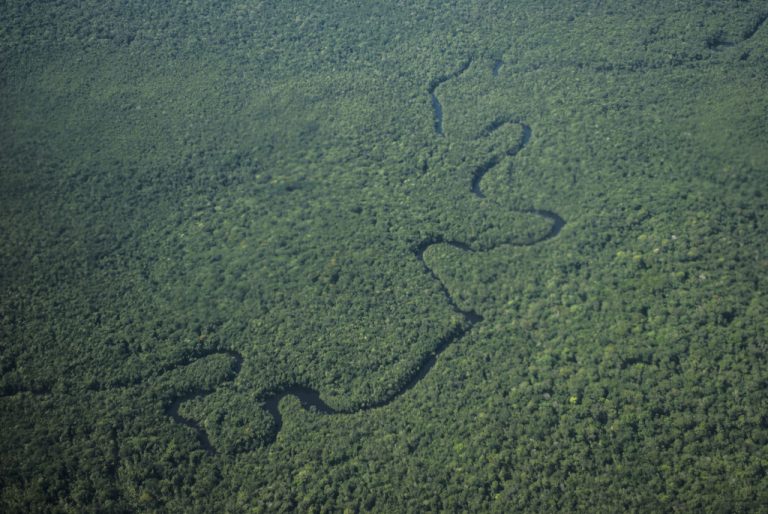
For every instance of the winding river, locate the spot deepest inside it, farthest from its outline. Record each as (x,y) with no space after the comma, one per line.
(309,397)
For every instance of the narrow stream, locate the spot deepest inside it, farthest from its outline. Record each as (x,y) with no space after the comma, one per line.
(437,107)
(310,398)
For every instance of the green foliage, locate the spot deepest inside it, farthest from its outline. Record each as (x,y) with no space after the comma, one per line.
(212,203)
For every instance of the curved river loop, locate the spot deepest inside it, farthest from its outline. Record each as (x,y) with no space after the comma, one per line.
(310,398)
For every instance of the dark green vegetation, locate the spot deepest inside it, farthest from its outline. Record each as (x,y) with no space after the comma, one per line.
(218,203)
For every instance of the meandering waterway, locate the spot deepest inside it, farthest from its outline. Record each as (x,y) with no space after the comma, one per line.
(310,398)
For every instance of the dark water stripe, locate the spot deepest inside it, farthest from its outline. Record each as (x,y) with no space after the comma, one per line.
(496,67)
(554,230)
(308,397)
(484,168)
(172,410)
(755,27)
(438,110)
(202,436)
(436,105)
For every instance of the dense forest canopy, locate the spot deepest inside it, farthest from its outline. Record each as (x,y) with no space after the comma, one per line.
(465,256)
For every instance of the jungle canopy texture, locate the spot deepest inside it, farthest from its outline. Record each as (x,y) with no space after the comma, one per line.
(461,256)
